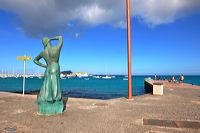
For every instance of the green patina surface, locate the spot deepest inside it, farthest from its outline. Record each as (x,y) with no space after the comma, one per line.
(49,100)
(50,108)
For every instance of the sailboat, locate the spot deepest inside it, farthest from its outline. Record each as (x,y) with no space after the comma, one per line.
(125,78)
(106,77)
(4,76)
(97,77)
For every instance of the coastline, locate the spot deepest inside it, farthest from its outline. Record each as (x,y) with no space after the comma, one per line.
(113,115)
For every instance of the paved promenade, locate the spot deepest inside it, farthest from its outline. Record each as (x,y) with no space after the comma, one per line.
(177,111)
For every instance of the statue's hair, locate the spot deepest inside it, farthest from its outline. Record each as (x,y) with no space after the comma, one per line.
(45,41)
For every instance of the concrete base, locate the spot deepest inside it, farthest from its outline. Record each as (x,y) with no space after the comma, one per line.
(158,89)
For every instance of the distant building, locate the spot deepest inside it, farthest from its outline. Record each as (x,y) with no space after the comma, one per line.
(81,74)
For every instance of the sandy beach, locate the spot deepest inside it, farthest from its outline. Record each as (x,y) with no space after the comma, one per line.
(179,103)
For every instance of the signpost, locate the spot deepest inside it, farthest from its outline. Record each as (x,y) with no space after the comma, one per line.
(24,58)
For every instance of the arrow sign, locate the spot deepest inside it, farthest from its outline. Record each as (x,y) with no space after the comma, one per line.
(24,58)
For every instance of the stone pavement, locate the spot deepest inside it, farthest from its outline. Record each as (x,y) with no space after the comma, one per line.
(177,111)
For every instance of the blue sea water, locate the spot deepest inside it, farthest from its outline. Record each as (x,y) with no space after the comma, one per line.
(92,88)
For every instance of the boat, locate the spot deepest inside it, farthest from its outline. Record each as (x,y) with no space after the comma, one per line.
(106,77)
(81,74)
(4,75)
(17,76)
(125,79)
(39,76)
(97,77)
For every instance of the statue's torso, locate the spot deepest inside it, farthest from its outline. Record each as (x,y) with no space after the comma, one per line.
(51,55)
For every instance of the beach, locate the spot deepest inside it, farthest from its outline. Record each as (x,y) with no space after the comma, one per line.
(179,103)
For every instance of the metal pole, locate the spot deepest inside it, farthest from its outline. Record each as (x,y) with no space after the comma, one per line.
(24,77)
(128,12)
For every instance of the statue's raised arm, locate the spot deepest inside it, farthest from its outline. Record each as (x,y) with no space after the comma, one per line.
(60,41)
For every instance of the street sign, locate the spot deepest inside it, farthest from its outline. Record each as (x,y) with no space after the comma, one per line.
(24,58)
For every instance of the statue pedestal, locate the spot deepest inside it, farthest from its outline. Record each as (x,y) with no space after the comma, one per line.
(50,108)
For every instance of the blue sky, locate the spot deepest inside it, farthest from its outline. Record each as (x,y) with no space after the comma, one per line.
(162,43)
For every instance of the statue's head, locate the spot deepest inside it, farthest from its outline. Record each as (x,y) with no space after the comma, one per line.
(45,41)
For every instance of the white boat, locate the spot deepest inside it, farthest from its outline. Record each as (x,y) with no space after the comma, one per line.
(62,76)
(4,75)
(86,79)
(106,77)
(40,77)
(17,76)
(81,75)
(97,77)
(125,79)
(31,76)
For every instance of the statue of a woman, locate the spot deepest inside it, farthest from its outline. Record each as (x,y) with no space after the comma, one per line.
(49,99)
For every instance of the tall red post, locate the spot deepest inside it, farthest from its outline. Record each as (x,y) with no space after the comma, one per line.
(128,12)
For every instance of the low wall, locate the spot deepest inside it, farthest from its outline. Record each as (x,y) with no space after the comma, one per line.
(153,87)
(148,86)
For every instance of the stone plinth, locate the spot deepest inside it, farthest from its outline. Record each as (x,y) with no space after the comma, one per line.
(158,89)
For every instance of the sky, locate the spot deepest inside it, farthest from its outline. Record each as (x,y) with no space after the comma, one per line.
(165,35)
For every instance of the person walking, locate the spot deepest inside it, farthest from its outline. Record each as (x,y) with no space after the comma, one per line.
(181,79)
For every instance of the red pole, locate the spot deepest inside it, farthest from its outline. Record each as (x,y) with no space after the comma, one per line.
(128,12)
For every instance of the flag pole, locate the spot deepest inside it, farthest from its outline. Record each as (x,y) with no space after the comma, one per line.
(128,12)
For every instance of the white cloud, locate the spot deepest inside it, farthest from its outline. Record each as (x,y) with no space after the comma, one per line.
(91,14)
(49,17)
(156,12)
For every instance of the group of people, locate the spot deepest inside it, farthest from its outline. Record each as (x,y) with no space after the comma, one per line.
(173,80)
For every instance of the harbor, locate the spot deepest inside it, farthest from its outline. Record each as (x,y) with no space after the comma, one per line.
(179,104)
(88,87)
(100,66)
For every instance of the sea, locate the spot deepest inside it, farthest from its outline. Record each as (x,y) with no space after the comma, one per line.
(94,88)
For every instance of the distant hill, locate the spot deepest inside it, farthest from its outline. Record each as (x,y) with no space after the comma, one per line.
(66,72)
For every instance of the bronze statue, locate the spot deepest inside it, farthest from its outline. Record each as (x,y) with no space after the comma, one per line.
(49,99)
